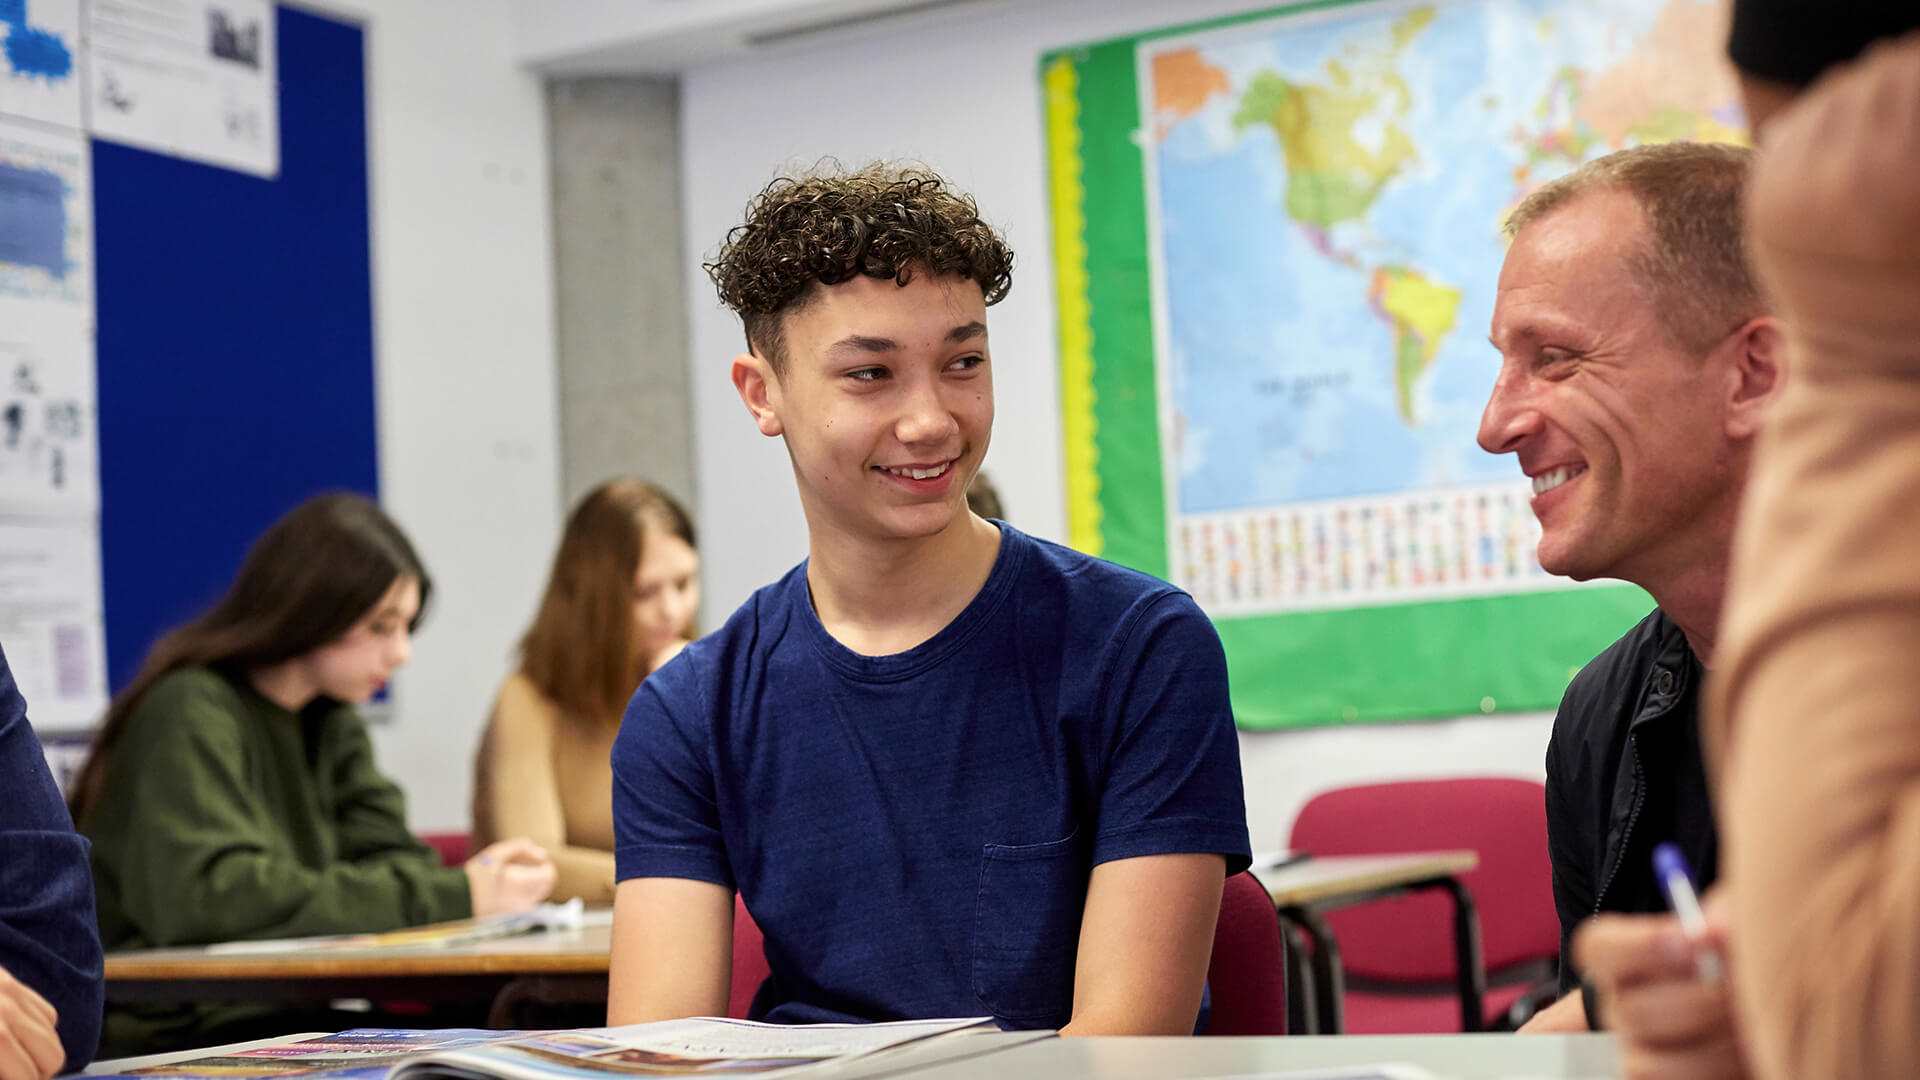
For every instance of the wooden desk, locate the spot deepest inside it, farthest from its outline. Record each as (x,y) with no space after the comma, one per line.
(562,965)
(1303,891)
(1457,1057)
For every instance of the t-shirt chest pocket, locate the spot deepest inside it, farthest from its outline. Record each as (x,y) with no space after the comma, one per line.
(1026,929)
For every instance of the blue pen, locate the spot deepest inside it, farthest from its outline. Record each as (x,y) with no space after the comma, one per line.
(1671,868)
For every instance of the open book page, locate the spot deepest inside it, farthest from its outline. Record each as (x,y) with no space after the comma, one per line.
(360,1054)
(704,1045)
(670,1048)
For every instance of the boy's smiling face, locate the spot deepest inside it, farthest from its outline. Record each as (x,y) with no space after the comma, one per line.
(885,401)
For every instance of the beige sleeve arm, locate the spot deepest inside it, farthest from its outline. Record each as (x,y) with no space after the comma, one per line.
(583,872)
(518,794)
(1814,719)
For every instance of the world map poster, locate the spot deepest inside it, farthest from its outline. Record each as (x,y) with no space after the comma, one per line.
(1276,241)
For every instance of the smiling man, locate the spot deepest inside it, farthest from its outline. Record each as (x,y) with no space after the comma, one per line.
(1637,358)
(951,770)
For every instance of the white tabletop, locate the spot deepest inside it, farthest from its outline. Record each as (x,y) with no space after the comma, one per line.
(1465,1057)
(1334,877)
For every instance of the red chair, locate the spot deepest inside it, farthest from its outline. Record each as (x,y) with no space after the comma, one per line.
(749,961)
(454,847)
(1247,974)
(1398,953)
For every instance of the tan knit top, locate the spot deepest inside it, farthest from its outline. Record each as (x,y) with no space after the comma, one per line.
(546,776)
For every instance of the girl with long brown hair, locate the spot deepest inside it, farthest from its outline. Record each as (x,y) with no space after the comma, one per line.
(619,603)
(231,792)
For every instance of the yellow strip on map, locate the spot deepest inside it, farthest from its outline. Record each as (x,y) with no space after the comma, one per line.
(1068,194)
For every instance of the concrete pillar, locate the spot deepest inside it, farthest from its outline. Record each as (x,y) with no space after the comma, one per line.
(621,305)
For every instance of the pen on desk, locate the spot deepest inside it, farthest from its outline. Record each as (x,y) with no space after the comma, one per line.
(1671,868)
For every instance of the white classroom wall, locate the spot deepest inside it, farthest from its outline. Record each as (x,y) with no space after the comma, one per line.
(959,90)
(464,349)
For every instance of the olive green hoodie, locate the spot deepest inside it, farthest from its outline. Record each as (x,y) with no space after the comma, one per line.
(225,817)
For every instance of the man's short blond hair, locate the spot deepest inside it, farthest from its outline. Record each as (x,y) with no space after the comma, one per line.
(1693,265)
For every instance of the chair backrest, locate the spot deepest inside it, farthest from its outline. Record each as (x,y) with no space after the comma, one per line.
(1247,976)
(1410,938)
(749,961)
(454,848)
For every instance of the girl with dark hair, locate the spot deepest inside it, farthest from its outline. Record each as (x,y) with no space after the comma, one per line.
(619,603)
(231,792)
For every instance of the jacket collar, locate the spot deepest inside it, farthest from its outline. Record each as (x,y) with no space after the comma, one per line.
(1670,677)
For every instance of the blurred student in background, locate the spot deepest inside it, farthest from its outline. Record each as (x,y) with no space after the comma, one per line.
(1815,724)
(1810,725)
(620,602)
(49,946)
(232,794)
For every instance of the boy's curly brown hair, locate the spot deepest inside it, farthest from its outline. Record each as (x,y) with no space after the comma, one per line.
(883,220)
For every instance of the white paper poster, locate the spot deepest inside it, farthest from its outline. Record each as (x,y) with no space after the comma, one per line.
(51,621)
(49,448)
(190,78)
(46,219)
(40,61)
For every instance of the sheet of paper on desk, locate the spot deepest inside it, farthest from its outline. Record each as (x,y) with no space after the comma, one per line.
(571,915)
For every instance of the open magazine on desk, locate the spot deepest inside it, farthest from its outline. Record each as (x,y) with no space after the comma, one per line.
(702,1046)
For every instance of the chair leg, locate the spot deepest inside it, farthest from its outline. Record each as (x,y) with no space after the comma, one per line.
(1470,968)
(1330,980)
(1300,981)
(537,990)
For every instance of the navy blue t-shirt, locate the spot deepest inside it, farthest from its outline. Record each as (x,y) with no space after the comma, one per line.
(914,833)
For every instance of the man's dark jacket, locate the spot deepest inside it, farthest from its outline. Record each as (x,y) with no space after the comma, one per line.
(1624,773)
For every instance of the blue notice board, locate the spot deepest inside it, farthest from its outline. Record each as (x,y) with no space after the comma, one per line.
(235,321)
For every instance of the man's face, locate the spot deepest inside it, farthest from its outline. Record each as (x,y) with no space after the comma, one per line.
(886,403)
(1622,430)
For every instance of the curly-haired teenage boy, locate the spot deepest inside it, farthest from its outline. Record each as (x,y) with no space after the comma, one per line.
(951,769)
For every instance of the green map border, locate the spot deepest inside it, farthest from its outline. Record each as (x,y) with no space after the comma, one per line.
(1306,669)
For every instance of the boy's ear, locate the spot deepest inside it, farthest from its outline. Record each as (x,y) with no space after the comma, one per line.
(759,392)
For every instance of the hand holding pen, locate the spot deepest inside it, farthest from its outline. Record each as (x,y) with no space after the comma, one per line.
(1670,868)
(1660,988)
